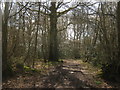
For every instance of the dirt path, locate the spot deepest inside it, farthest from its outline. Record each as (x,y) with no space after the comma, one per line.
(70,74)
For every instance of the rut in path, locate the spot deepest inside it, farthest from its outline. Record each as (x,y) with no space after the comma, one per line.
(69,74)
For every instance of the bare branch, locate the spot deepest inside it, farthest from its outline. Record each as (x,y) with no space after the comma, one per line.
(37,11)
(64,12)
(60,4)
(19,10)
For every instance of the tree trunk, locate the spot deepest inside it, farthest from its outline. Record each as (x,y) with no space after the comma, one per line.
(36,36)
(118,30)
(53,45)
(0,46)
(6,69)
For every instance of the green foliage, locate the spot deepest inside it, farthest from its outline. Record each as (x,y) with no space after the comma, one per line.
(98,82)
(55,62)
(95,62)
(26,67)
(29,69)
(60,60)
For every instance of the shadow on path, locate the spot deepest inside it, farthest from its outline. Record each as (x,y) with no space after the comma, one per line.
(62,78)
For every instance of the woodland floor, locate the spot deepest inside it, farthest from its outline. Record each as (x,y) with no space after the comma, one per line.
(69,74)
